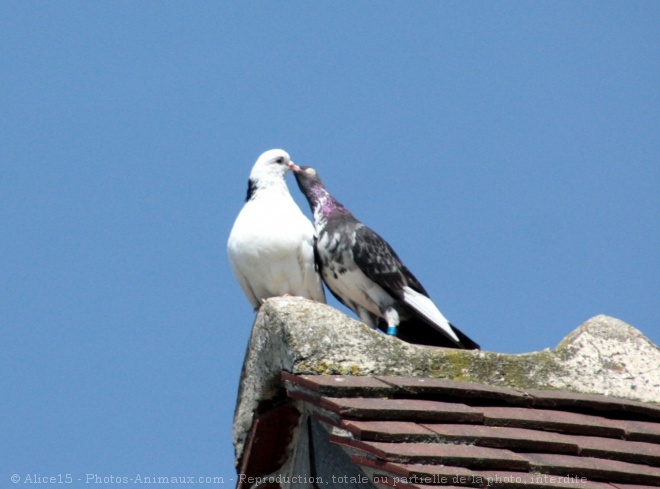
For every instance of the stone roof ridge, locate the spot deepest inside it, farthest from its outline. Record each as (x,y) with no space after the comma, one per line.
(599,364)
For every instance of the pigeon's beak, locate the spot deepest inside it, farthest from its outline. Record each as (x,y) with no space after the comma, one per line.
(294,168)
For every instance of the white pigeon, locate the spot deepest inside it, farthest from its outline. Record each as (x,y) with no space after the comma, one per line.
(271,246)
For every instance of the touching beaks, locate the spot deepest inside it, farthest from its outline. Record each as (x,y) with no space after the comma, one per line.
(294,167)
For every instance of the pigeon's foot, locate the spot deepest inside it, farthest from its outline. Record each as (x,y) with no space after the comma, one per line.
(392,318)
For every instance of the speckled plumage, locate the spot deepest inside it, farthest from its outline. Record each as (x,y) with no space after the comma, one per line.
(364,273)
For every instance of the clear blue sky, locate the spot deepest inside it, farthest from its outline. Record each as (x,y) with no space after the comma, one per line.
(509,151)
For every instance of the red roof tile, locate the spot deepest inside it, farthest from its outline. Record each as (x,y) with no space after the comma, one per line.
(385,482)
(517,480)
(421,385)
(626,451)
(503,437)
(594,468)
(396,409)
(430,476)
(392,431)
(592,401)
(407,431)
(347,385)
(438,453)
(268,442)
(628,486)
(550,420)
(641,431)
(417,473)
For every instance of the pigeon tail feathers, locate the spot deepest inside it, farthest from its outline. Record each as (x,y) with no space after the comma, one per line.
(425,306)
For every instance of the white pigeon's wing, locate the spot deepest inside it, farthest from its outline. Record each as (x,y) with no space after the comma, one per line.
(244,283)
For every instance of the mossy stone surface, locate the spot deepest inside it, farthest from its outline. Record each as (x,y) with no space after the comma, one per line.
(602,356)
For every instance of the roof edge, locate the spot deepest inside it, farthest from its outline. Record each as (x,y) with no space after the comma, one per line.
(602,356)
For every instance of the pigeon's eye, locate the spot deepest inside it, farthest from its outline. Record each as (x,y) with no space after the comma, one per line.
(279,160)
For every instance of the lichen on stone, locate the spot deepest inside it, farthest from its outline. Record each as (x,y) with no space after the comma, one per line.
(602,356)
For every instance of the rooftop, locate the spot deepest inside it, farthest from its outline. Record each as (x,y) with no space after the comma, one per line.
(324,396)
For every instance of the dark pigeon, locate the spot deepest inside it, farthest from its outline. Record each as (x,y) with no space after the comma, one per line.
(366,275)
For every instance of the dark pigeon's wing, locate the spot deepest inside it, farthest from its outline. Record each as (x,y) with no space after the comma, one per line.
(318,266)
(380,263)
(318,263)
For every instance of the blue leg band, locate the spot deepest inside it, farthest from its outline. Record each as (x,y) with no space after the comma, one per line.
(391,330)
